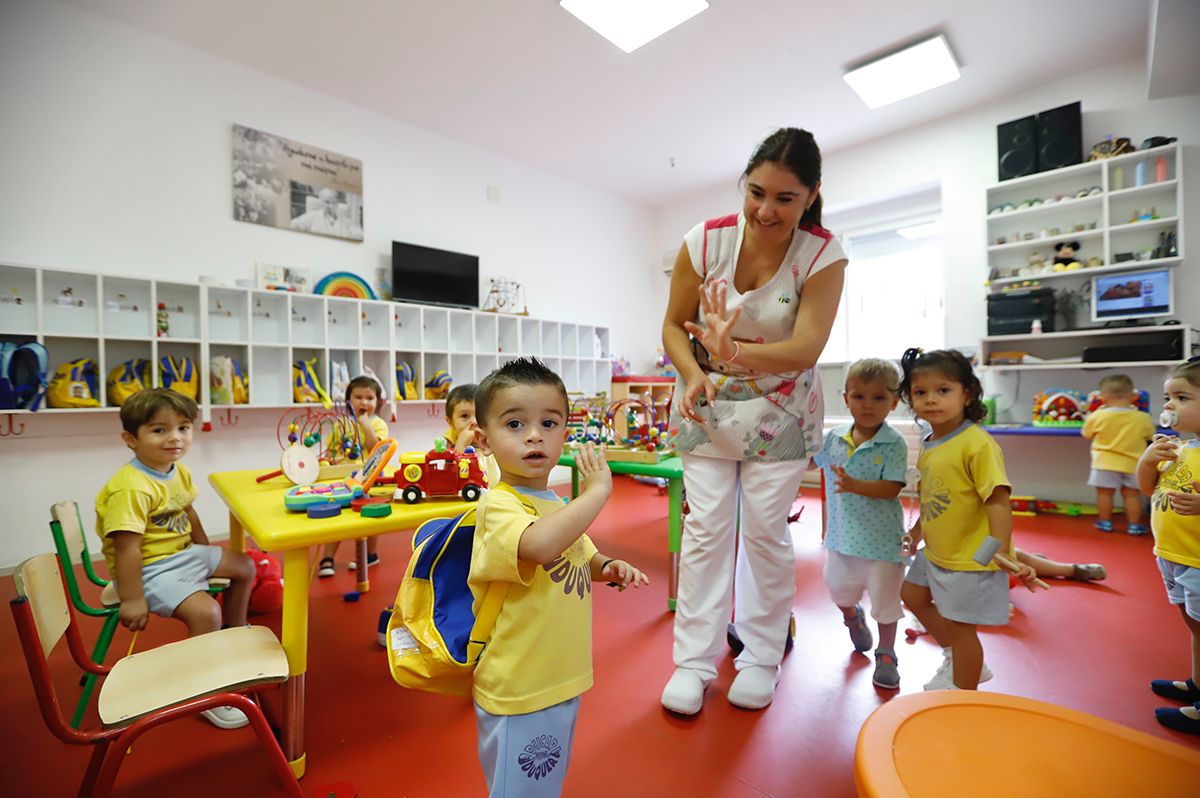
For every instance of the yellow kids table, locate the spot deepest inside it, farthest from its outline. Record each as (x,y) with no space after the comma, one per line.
(257,509)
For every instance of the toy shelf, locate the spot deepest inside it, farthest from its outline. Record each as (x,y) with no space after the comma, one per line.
(114,318)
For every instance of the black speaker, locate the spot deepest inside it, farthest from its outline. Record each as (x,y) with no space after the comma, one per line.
(1060,137)
(1017,144)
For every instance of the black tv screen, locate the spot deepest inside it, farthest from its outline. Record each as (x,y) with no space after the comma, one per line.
(437,276)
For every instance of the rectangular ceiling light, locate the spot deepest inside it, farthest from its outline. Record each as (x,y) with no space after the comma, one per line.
(921,67)
(926,230)
(631,23)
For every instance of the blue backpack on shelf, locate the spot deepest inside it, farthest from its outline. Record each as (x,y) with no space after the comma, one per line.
(23,375)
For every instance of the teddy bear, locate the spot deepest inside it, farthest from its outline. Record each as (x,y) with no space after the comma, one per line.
(1036,264)
(1064,256)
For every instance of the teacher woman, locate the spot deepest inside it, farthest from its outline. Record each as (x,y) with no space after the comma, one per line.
(753,298)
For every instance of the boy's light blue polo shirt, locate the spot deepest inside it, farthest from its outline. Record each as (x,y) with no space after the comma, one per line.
(860,526)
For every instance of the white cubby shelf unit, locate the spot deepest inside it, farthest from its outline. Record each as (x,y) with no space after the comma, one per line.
(1106,220)
(112,319)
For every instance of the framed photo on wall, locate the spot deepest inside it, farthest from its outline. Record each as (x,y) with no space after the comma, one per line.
(278,182)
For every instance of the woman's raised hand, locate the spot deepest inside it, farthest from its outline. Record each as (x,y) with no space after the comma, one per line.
(717,333)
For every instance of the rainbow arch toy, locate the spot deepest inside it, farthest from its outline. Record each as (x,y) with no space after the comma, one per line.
(344,284)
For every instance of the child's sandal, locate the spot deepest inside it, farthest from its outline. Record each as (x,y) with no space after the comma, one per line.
(1089,572)
(325,567)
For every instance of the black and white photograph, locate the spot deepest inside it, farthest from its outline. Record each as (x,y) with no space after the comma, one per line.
(278,182)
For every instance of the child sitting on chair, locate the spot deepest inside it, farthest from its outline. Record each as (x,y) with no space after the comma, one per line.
(539,658)
(865,464)
(1119,433)
(364,396)
(153,542)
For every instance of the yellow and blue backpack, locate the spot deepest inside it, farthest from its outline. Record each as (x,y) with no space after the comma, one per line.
(75,384)
(406,381)
(23,381)
(435,638)
(305,385)
(438,386)
(127,379)
(179,375)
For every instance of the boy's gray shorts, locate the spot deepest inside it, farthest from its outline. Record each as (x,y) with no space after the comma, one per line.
(978,597)
(1112,480)
(167,582)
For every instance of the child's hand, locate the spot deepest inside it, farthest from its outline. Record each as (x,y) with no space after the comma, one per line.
(1163,449)
(844,482)
(594,474)
(466,438)
(1026,573)
(134,614)
(621,575)
(1185,503)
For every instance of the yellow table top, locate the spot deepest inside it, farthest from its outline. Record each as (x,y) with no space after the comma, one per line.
(259,508)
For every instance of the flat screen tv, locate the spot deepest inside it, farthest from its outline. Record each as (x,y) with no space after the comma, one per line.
(1131,295)
(434,276)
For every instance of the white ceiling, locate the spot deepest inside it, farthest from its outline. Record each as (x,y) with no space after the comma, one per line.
(526,80)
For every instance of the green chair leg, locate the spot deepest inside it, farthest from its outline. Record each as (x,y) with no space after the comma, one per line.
(107,630)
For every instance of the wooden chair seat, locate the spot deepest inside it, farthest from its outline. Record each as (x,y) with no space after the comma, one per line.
(109,598)
(147,681)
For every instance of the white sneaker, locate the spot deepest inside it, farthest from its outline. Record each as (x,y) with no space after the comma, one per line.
(754,687)
(226,717)
(684,692)
(944,678)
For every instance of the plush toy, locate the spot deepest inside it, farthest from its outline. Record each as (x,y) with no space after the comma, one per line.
(1036,264)
(1064,256)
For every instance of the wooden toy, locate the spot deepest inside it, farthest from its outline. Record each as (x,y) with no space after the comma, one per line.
(323,509)
(376,510)
(648,439)
(320,445)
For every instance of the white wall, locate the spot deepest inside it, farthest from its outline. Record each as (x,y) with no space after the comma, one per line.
(115,156)
(958,153)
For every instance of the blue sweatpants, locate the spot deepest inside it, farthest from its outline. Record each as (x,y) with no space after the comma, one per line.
(526,756)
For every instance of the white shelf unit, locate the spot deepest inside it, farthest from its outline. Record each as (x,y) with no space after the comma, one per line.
(1065,349)
(1104,221)
(112,318)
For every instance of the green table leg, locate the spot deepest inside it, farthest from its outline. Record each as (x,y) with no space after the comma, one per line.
(674,537)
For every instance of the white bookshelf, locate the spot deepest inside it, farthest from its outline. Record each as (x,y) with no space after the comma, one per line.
(112,318)
(1064,350)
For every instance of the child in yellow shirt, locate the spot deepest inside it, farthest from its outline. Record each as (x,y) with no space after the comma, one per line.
(1119,433)
(539,657)
(363,394)
(462,428)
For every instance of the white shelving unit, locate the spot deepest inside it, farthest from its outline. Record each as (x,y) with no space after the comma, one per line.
(1105,221)
(1064,350)
(113,318)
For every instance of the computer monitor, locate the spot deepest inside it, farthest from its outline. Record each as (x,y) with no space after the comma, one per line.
(1129,296)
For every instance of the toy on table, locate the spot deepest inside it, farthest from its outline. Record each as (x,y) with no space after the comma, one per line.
(1028,505)
(320,444)
(439,385)
(648,439)
(621,367)
(1059,408)
(584,419)
(303,497)
(441,471)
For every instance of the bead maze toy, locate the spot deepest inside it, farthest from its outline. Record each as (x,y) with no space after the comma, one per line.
(648,439)
(319,445)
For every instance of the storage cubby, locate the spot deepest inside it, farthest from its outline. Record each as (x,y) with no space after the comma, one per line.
(342,317)
(508,334)
(462,369)
(553,363)
(69,305)
(127,309)
(353,360)
(550,342)
(227,317)
(602,344)
(570,374)
(238,352)
(322,364)
(586,341)
(268,317)
(485,332)
(380,362)
(407,322)
(603,381)
(181,304)
(462,331)
(435,330)
(569,340)
(432,362)
(119,352)
(270,375)
(531,337)
(412,358)
(178,350)
(308,321)
(18,300)
(374,325)
(485,365)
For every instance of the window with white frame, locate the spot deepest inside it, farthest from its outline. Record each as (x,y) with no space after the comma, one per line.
(894,288)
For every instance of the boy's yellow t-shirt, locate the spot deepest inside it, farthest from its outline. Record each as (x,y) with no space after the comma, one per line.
(540,651)
(141,500)
(958,474)
(1177,537)
(1119,436)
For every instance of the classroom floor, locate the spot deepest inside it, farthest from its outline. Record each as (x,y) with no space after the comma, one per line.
(1091,647)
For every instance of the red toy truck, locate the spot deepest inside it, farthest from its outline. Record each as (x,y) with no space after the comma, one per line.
(439,473)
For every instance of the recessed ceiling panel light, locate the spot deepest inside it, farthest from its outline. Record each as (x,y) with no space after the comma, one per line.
(921,67)
(631,23)
(916,231)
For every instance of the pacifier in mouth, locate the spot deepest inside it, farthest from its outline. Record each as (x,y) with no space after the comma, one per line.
(1168,419)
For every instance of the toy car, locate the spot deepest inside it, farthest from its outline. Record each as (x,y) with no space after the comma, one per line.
(439,472)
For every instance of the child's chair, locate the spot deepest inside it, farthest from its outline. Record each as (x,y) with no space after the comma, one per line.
(70,544)
(147,689)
